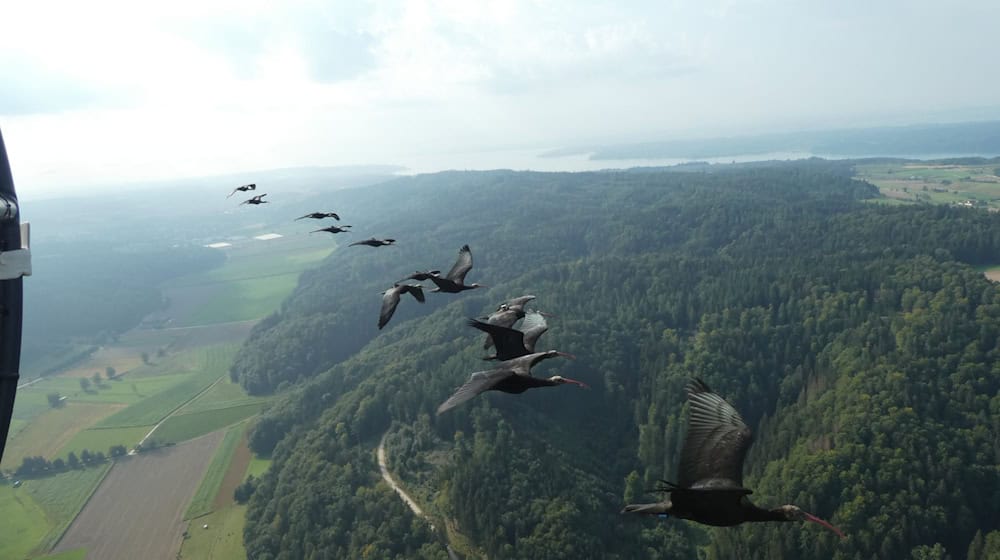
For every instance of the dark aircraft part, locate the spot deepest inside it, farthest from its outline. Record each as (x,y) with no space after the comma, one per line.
(15,262)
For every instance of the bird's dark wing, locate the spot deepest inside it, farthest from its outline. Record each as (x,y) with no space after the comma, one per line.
(333,215)
(717,440)
(416,291)
(534,326)
(462,266)
(509,342)
(477,383)
(390,299)
(505,317)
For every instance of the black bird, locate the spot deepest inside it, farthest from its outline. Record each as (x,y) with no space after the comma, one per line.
(454,281)
(320,216)
(710,486)
(420,276)
(244,188)
(514,343)
(511,376)
(373,242)
(259,199)
(506,315)
(332,229)
(390,299)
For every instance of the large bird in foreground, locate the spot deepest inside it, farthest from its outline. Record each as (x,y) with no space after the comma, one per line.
(710,485)
(390,299)
(320,216)
(454,281)
(244,188)
(373,242)
(511,376)
(259,199)
(332,229)
(510,342)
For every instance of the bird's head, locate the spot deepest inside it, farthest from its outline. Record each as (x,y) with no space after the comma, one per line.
(563,380)
(558,354)
(795,513)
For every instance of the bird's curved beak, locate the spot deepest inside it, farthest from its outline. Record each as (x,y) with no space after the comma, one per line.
(566,355)
(575,382)
(814,519)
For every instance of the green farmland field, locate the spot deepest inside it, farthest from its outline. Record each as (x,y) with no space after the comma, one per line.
(201,503)
(25,524)
(182,427)
(100,439)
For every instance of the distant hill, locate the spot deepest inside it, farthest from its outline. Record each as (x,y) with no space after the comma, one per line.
(932,140)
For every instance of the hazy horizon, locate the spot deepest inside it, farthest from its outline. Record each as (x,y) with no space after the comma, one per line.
(192,90)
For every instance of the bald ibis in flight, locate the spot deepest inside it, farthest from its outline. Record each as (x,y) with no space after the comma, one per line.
(513,343)
(320,216)
(511,376)
(332,229)
(421,275)
(390,299)
(259,199)
(515,303)
(244,188)
(454,281)
(374,242)
(506,315)
(710,486)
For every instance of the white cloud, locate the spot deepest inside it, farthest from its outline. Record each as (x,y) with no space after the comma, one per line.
(107,90)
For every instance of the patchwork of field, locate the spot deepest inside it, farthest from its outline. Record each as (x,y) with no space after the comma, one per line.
(36,513)
(51,432)
(223,536)
(115,524)
(204,498)
(252,283)
(920,182)
(171,384)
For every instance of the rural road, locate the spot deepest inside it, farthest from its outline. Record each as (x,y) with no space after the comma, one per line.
(23,385)
(167,417)
(402,493)
(391,482)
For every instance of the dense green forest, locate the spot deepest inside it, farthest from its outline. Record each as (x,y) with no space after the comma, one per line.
(858,341)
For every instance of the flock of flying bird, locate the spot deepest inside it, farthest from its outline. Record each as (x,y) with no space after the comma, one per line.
(709,488)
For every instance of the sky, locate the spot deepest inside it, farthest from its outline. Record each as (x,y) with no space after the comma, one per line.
(109,91)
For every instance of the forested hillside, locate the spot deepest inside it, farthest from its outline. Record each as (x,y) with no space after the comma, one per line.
(856,339)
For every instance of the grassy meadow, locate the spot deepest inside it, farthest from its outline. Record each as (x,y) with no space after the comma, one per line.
(38,512)
(201,503)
